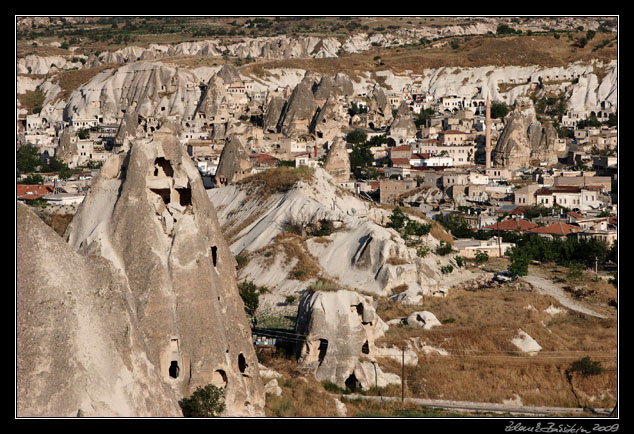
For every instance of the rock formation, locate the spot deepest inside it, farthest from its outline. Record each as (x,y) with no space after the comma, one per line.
(337,162)
(148,213)
(403,126)
(234,162)
(67,149)
(341,328)
(79,346)
(301,108)
(524,139)
(330,120)
(274,111)
(128,128)
(379,114)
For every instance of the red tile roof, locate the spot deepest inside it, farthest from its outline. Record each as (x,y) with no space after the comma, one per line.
(453,132)
(32,192)
(422,156)
(402,148)
(575,214)
(263,159)
(519,210)
(556,229)
(516,224)
(400,161)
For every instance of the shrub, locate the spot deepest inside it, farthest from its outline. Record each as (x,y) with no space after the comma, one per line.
(481,257)
(586,367)
(206,401)
(242,260)
(519,263)
(575,272)
(447,269)
(32,179)
(422,251)
(251,298)
(290,299)
(443,249)
(460,261)
(83,134)
(279,179)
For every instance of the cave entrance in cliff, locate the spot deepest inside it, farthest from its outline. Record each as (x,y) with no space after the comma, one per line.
(164,193)
(352,383)
(214,255)
(323,349)
(184,196)
(162,167)
(242,363)
(174,369)
(219,378)
(365,349)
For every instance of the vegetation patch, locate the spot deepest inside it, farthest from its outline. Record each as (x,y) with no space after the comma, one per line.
(32,101)
(279,179)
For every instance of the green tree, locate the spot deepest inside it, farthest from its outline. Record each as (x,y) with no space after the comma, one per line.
(586,367)
(251,298)
(361,157)
(32,179)
(356,137)
(28,158)
(519,262)
(83,134)
(499,109)
(423,117)
(206,401)
(504,29)
(398,219)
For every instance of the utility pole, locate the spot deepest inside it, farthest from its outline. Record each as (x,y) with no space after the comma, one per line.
(403,377)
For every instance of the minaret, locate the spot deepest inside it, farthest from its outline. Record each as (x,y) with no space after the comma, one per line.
(487,147)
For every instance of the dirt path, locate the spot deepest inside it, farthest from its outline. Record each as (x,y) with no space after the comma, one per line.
(546,287)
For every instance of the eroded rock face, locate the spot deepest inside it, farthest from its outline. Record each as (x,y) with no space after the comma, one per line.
(79,347)
(274,110)
(341,329)
(153,220)
(523,140)
(403,127)
(337,162)
(301,108)
(234,162)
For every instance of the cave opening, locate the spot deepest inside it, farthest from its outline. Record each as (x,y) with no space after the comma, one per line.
(174,369)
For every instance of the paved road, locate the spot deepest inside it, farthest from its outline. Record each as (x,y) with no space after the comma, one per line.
(486,407)
(546,287)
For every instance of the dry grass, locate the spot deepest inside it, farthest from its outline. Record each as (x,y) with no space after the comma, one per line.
(70,80)
(231,234)
(438,231)
(394,260)
(477,51)
(292,247)
(31,100)
(485,366)
(278,180)
(59,222)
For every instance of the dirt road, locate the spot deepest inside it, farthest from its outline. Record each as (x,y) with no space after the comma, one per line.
(546,287)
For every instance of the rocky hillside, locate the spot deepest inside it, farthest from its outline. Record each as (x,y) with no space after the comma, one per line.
(315,232)
(148,219)
(79,348)
(160,89)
